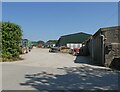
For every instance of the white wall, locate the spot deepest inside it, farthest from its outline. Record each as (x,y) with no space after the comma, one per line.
(74,45)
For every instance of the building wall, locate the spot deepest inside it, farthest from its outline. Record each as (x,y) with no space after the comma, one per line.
(90,49)
(104,47)
(97,53)
(112,44)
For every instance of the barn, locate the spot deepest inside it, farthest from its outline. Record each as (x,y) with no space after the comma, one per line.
(72,38)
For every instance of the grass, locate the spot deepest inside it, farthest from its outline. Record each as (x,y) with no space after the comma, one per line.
(10,60)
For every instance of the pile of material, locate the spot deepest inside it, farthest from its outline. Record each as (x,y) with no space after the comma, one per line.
(64,49)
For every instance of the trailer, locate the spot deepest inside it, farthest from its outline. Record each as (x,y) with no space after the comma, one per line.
(104,47)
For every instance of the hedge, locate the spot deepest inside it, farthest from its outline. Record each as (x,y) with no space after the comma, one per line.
(11,39)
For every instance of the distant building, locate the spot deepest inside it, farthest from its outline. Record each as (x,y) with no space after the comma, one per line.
(72,38)
(50,45)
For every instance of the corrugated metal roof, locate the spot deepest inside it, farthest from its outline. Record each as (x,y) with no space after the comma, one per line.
(73,38)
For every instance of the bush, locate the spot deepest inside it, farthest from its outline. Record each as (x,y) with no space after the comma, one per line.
(11,39)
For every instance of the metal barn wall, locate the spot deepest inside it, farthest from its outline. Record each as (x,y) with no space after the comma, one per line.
(90,49)
(84,51)
(97,55)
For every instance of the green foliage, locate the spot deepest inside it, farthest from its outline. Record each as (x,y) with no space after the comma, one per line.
(11,39)
(52,41)
(40,42)
(34,43)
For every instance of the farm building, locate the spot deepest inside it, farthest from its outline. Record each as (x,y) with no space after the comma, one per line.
(72,38)
(104,47)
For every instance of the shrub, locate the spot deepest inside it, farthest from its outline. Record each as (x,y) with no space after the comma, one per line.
(11,39)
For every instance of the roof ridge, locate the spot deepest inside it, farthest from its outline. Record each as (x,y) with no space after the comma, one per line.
(76,33)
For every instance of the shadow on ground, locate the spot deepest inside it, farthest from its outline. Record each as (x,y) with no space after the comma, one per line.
(74,78)
(82,59)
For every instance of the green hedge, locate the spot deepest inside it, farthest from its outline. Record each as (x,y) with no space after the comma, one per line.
(11,39)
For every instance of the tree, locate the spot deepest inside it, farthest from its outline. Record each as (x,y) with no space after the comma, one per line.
(11,39)
(40,42)
(52,41)
(34,43)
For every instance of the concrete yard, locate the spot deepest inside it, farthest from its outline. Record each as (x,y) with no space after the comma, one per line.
(41,70)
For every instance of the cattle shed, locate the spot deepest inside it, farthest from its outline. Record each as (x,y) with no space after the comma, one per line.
(72,38)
